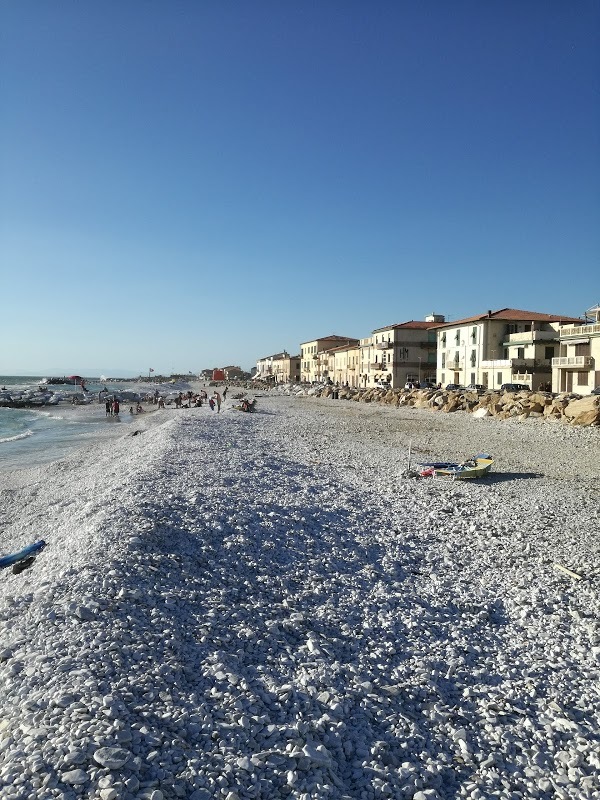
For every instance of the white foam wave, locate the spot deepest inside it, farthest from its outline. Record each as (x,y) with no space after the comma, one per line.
(18,436)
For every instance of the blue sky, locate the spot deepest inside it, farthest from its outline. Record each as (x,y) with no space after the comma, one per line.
(192,184)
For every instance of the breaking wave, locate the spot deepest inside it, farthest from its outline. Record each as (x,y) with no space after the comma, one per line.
(17,436)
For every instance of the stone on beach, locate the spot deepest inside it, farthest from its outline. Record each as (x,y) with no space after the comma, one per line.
(262,605)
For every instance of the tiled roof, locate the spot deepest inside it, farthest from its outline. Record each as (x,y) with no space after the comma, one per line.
(341,348)
(415,324)
(333,338)
(276,356)
(512,315)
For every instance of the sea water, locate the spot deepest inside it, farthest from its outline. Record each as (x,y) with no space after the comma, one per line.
(30,437)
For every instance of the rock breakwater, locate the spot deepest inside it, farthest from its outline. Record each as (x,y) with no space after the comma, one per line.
(569,408)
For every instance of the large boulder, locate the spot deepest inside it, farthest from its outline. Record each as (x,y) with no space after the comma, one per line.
(453,403)
(585,411)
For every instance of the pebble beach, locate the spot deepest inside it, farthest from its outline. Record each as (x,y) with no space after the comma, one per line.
(268,605)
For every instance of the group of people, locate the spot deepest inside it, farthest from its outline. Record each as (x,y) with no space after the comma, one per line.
(187,400)
(112,407)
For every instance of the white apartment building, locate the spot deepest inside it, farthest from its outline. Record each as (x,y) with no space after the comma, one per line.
(504,346)
(576,368)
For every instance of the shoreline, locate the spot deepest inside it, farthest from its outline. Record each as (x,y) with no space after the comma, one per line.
(267,591)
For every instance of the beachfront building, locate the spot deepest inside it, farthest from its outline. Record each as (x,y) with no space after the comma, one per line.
(278,368)
(497,347)
(405,352)
(576,368)
(287,369)
(401,353)
(346,365)
(234,373)
(366,349)
(316,362)
(266,368)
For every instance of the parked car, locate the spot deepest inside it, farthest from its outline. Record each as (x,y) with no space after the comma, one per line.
(383,385)
(427,385)
(453,387)
(596,390)
(514,387)
(476,387)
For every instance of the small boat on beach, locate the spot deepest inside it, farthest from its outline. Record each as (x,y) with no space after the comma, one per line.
(476,467)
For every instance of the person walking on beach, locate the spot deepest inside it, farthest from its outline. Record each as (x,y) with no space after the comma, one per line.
(211,403)
(217,397)
(115,408)
(108,407)
(224,393)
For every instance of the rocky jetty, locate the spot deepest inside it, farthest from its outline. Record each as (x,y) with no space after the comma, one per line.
(570,408)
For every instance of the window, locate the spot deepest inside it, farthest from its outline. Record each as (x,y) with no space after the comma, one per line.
(443,377)
(484,378)
(548,352)
(457,336)
(499,379)
(474,335)
(582,349)
(520,352)
(443,360)
(472,377)
(473,359)
(444,339)
(582,378)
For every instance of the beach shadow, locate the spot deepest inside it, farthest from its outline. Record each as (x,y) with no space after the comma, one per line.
(502,477)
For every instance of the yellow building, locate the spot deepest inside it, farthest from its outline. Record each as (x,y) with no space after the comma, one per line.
(278,368)
(317,364)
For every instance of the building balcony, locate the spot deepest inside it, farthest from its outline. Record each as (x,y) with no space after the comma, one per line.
(529,337)
(573,362)
(454,365)
(384,345)
(379,366)
(580,330)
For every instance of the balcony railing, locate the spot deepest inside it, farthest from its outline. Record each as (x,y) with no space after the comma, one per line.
(454,365)
(587,362)
(528,337)
(378,366)
(579,330)
(384,345)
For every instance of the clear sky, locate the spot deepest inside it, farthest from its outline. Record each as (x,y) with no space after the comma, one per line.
(188,184)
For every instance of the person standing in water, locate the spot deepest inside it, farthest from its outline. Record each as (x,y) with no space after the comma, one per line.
(217,397)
